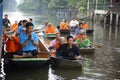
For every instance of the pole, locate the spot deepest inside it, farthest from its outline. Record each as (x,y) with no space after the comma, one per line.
(88,6)
(96,4)
(1,14)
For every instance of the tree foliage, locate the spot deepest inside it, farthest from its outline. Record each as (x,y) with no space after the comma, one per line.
(9,5)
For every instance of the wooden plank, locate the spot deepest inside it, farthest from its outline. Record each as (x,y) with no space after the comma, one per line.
(30,59)
(50,35)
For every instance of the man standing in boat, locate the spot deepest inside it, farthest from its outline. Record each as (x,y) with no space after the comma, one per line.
(69,50)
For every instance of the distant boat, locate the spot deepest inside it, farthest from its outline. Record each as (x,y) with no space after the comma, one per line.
(89,31)
(64,31)
(50,36)
(87,50)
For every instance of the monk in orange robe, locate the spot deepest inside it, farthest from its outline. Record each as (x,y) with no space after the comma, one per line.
(50,29)
(64,24)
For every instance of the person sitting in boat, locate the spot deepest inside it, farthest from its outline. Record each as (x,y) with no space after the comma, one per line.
(79,28)
(69,50)
(62,40)
(31,20)
(73,24)
(29,42)
(83,41)
(22,28)
(54,44)
(85,26)
(45,25)
(64,24)
(10,43)
(6,21)
(81,32)
(14,27)
(50,29)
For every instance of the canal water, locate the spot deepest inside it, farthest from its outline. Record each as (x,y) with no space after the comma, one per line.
(103,64)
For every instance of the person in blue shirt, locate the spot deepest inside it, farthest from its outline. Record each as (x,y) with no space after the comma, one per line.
(22,28)
(79,28)
(29,41)
(31,20)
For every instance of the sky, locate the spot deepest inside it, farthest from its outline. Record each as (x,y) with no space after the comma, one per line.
(19,1)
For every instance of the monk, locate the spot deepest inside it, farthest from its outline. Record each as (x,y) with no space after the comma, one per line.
(64,24)
(50,29)
(14,27)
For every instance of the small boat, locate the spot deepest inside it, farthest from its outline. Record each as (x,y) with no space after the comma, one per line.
(65,63)
(87,50)
(89,31)
(43,56)
(64,31)
(50,35)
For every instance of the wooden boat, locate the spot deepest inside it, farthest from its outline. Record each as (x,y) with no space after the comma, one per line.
(43,56)
(50,35)
(89,31)
(64,31)
(87,50)
(65,63)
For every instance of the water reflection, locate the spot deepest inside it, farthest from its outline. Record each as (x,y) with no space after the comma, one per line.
(2,75)
(52,75)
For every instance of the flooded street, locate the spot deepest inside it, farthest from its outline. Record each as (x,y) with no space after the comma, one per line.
(103,64)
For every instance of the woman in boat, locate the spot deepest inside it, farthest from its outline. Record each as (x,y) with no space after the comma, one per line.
(69,50)
(64,24)
(50,29)
(29,42)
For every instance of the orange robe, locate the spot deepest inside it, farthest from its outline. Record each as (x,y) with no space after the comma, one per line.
(50,30)
(12,45)
(64,25)
(85,26)
(14,27)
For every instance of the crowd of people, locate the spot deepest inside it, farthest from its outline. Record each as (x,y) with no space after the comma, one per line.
(20,41)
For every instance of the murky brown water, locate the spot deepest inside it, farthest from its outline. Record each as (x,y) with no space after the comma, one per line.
(103,64)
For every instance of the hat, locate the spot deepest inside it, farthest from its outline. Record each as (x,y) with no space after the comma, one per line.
(81,32)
